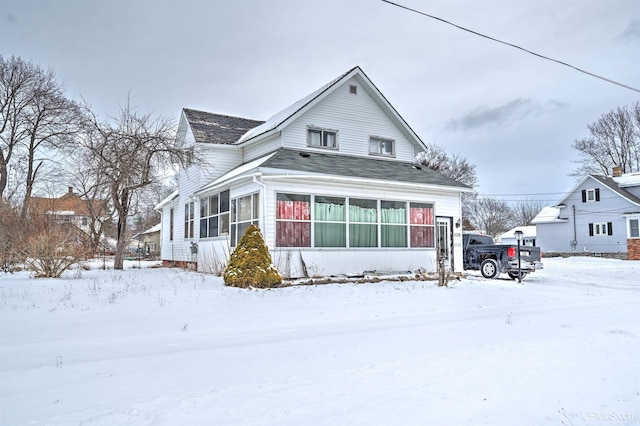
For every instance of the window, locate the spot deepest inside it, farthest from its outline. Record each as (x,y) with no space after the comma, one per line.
(634,228)
(363,223)
(189,215)
(171,225)
(353,89)
(293,220)
(600,229)
(381,146)
(244,212)
(323,138)
(214,215)
(330,228)
(339,222)
(421,225)
(393,231)
(590,195)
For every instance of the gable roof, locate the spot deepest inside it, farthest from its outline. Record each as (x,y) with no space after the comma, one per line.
(607,181)
(217,128)
(281,119)
(292,160)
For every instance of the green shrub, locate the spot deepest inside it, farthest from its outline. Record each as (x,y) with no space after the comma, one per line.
(250,263)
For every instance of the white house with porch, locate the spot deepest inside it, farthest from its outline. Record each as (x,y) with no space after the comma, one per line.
(330,181)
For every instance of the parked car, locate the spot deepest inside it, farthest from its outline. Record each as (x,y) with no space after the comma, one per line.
(480,253)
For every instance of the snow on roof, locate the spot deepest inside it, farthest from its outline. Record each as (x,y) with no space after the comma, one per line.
(283,115)
(628,179)
(155,228)
(548,214)
(61,212)
(167,200)
(528,231)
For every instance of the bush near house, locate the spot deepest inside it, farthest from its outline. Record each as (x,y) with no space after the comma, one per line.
(250,263)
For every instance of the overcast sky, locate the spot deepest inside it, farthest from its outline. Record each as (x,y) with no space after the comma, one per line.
(511,114)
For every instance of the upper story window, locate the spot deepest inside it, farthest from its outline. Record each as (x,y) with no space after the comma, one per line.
(590,195)
(323,138)
(382,146)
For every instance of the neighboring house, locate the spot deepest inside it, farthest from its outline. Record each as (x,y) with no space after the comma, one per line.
(528,236)
(599,215)
(69,209)
(330,181)
(151,240)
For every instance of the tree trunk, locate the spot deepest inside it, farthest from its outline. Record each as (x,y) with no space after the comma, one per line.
(122,206)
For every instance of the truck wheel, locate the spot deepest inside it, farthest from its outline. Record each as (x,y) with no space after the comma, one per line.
(489,268)
(514,275)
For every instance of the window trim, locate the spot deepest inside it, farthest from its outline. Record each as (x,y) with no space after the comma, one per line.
(382,140)
(218,215)
(600,229)
(322,131)
(189,220)
(591,195)
(234,218)
(629,220)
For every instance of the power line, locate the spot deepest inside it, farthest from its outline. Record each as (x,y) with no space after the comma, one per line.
(513,45)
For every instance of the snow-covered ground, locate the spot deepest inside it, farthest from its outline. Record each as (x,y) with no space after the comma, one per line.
(157,346)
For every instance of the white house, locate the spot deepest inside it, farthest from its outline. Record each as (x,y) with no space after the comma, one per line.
(528,236)
(330,181)
(599,215)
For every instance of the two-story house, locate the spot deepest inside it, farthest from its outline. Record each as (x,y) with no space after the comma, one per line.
(599,215)
(330,181)
(69,208)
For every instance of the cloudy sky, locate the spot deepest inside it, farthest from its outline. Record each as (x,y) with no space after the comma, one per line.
(511,114)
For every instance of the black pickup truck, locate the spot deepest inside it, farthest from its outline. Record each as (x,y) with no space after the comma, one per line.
(493,259)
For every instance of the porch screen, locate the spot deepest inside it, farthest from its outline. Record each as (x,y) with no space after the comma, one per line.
(293,220)
(393,216)
(363,223)
(330,225)
(422,225)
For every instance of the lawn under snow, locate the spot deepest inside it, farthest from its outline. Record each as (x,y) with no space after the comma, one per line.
(170,347)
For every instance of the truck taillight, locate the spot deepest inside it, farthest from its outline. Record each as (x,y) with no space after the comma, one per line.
(511,252)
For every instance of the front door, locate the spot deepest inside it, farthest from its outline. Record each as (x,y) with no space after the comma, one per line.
(444,240)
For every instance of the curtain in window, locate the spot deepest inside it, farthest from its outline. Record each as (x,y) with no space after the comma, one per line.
(330,234)
(363,234)
(422,236)
(293,234)
(291,211)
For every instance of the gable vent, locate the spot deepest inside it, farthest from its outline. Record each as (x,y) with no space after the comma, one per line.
(353,89)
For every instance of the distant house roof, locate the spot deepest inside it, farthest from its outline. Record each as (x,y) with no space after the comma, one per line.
(155,228)
(218,128)
(548,215)
(68,204)
(345,166)
(528,232)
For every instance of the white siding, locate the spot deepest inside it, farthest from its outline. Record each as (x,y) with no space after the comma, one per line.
(355,117)
(253,151)
(219,160)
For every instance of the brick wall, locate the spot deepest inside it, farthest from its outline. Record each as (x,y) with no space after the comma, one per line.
(633,248)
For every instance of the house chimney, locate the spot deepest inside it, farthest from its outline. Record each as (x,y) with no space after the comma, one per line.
(71,190)
(617,171)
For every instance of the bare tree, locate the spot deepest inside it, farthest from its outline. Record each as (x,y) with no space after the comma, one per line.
(452,166)
(130,154)
(491,215)
(614,140)
(36,115)
(525,211)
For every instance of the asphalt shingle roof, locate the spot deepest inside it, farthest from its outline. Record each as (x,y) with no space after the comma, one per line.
(217,128)
(613,185)
(362,167)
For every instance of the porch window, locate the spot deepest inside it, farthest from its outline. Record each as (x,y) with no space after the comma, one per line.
(244,212)
(421,225)
(214,215)
(293,220)
(382,146)
(363,223)
(330,228)
(322,138)
(393,230)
